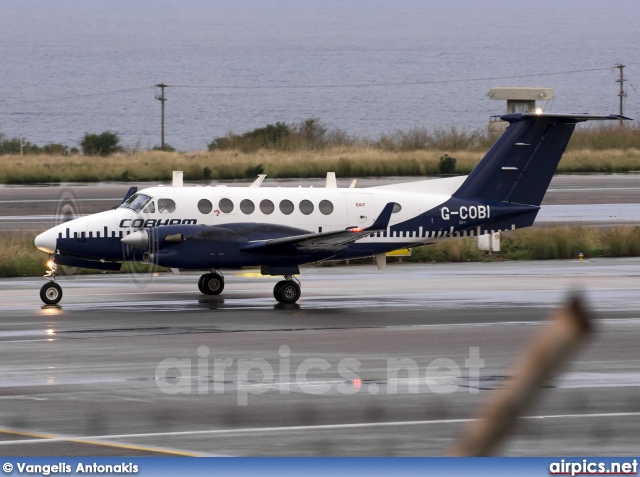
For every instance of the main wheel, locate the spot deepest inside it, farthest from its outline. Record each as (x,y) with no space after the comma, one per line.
(200,280)
(211,284)
(276,289)
(51,293)
(287,291)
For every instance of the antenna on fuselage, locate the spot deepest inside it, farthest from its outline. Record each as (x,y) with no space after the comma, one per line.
(258,181)
(331,182)
(177,179)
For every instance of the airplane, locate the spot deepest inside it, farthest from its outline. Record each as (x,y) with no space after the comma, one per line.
(280,228)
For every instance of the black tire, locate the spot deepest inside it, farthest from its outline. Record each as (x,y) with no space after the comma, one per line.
(276,289)
(287,292)
(200,280)
(211,284)
(51,293)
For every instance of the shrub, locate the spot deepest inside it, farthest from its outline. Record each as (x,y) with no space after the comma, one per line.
(167,148)
(459,250)
(12,146)
(220,143)
(309,134)
(56,149)
(447,165)
(253,171)
(100,144)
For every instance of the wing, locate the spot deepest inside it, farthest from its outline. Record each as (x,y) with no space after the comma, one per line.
(324,241)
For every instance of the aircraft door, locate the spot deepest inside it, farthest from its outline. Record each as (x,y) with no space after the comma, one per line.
(361,209)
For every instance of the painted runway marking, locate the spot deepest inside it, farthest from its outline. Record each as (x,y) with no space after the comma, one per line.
(214,432)
(39,438)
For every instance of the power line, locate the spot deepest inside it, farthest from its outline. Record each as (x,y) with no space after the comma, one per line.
(77,96)
(320,86)
(405,83)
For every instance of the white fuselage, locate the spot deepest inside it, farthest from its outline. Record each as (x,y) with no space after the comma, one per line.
(309,208)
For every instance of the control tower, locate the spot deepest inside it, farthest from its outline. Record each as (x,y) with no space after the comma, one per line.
(519,100)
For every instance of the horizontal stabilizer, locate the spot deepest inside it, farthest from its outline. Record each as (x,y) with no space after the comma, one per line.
(559,117)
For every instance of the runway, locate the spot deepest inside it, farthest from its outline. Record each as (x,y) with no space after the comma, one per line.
(349,370)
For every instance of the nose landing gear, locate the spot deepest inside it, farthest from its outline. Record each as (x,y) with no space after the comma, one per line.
(51,292)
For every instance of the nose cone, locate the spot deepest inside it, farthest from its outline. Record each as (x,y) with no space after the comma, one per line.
(46,241)
(139,240)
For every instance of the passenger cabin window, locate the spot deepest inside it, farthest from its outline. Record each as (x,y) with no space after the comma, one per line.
(306,207)
(205,206)
(136,202)
(225,206)
(166,206)
(286,207)
(326,207)
(266,206)
(247,207)
(150,209)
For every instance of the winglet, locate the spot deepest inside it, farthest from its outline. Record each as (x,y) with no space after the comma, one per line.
(382,222)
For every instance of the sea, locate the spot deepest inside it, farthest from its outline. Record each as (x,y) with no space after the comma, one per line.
(365,67)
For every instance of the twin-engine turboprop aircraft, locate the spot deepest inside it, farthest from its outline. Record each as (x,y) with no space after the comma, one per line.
(278,229)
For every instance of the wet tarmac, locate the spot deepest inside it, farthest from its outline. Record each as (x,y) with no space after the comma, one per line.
(367,362)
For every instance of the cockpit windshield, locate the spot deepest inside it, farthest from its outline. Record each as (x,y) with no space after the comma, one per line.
(136,202)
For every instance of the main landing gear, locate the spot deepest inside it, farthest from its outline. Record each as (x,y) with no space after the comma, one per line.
(287,290)
(51,292)
(211,283)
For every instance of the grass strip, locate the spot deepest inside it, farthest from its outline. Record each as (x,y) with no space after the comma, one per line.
(227,165)
(20,258)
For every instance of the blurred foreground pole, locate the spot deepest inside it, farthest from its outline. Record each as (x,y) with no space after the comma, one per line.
(554,344)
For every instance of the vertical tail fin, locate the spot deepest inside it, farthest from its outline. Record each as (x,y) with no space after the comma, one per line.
(520,165)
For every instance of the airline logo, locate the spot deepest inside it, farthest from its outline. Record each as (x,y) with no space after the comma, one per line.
(147,223)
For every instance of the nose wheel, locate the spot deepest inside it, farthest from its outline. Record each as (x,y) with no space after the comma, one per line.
(51,293)
(287,291)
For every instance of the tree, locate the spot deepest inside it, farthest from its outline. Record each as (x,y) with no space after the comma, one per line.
(100,144)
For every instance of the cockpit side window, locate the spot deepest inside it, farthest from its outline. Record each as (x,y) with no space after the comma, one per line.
(150,209)
(166,206)
(136,202)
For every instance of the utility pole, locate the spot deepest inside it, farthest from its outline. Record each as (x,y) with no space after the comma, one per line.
(622,93)
(162,99)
